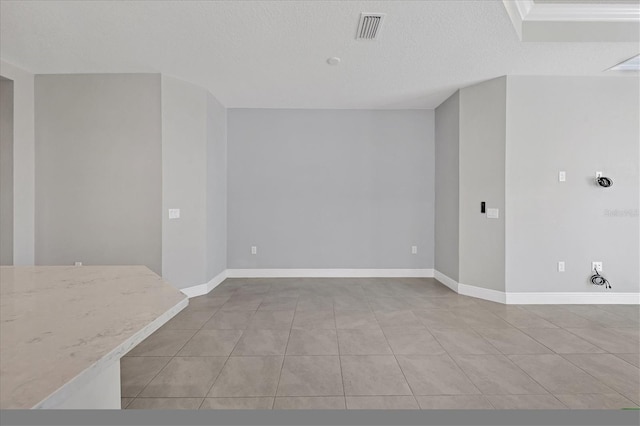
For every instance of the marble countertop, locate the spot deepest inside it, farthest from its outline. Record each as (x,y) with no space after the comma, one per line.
(60,326)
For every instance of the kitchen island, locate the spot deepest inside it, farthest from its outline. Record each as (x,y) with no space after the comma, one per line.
(63,330)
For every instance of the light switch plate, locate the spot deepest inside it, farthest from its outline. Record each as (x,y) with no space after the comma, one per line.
(174,213)
(493,213)
(561,266)
(254,250)
(414,249)
(562,176)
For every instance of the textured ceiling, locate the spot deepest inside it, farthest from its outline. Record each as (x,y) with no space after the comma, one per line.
(272,54)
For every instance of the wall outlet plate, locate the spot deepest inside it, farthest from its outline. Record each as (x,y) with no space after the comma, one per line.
(562,176)
(174,213)
(254,250)
(414,249)
(561,266)
(493,213)
(596,266)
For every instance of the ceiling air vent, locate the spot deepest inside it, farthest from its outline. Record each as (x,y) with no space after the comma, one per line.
(369,26)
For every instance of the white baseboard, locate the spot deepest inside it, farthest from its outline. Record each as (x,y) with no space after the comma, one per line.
(509,298)
(482,293)
(536,298)
(329,273)
(202,289)
(582,298)
(448,281)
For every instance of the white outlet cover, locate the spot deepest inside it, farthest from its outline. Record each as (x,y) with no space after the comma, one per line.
(562,176)
(561,266)
(254,250)
(493,213)
(414,249)
(596,266)
(174,213)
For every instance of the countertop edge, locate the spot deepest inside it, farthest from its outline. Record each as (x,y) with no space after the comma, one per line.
(91,372)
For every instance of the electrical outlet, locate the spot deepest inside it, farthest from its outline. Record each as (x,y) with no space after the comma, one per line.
(254,250)
(414,249)
(598,174)
(78,264)
(174,213)
(561,266)
(596,266)
(562,176)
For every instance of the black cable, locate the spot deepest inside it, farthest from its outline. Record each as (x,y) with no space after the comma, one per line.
(604,182)
(597,279)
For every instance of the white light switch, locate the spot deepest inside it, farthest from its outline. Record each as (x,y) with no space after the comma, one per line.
(414,249)
(493,213)
(561,266)
(174,213)
(562,176)
(254,250)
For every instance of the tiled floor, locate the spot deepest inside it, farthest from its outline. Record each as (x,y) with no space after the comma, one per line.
(382,343)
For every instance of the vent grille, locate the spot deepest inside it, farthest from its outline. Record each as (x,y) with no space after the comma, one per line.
(369,26)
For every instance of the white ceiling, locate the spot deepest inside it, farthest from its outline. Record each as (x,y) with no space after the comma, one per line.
(272,54)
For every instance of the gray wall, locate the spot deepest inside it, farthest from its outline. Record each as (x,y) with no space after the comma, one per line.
(330,188)
(6,171)
(23,163)
(184,179)
(98,169)
(194,180)
(447,154)
(580,125)
(482,178)
(216,187)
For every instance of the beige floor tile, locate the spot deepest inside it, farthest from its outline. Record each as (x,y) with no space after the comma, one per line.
(164,342)
(601,317)
(522,318)
(558,375)
(607,339)
(314,319)
(137,372)
(463,341)
(262,403)
(422,303)
(560,317)
(496,374)
(388,304)
(242,303)
(590,401)
(211,343)
(207,302)
(278,303)
(454,402)
(356,320)
(612,371)
(310,403)
(480,318)
(229,320)
(262,342)
(398,319)
(525,402)
(189,319)
(271,320)
(363,342)
(313,342)
(315,303)
(512,341)
(311,376)
(351,303)
(633,359)
(439,319)
(561,341)
(412,342)
(373,375)
(381,403)
(165,404)
(435,375)
(248,376)
(185,377)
